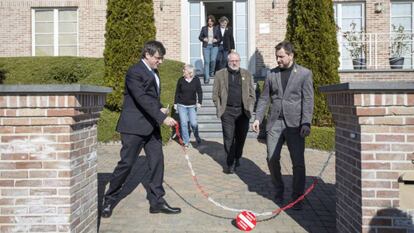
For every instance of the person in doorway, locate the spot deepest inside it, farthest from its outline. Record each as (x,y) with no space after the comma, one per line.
(210,36)
(139,125)
(234,97)
(289,89)
(226,44)
(187,92)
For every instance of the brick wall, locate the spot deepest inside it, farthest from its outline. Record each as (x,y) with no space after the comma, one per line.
(48,167)
(374,147)
(381,75)
(16,25)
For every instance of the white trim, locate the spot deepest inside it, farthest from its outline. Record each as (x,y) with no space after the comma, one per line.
(55,32)
(33,32)
(251,38)
(77,32)
(185,25)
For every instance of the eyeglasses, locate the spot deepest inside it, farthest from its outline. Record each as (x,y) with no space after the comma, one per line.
(234,60)
(158,58)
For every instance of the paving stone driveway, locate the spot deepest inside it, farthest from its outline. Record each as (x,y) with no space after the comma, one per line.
(250,188)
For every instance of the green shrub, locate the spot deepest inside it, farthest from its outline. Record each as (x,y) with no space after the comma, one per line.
(311,29)
(52,70)
(129,24)
(321,138)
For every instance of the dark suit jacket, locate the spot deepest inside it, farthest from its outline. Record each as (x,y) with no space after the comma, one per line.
(141,108)
(227,38)
(204,34)
(296,100)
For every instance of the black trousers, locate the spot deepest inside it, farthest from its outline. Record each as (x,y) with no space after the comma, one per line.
(131,147)
(235,126)
(221,60)
(276,137)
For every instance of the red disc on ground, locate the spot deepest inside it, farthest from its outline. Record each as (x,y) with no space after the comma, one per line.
(246,221)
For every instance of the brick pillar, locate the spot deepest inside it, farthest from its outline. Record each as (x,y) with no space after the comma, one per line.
(48,167)
(374,150)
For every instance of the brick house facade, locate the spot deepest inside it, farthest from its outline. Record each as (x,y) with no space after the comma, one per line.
(264,22)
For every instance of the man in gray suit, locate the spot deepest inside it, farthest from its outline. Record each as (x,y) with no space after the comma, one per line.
(234,97)
(289,90)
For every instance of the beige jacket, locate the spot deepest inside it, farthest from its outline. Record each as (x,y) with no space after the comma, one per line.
(220,91)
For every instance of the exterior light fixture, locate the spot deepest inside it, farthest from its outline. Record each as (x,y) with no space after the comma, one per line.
(378,7)
(161,5)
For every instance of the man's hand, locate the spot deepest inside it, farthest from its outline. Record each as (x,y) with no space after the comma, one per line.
(169,121)
(256,126)
(214,40)
(165,110)
(198,105)
(304,131)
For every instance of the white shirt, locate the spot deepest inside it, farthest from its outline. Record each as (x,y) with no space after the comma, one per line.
(157,79)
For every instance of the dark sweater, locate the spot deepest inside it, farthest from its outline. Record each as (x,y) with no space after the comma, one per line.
(235,88)
(186,93)
(284,75)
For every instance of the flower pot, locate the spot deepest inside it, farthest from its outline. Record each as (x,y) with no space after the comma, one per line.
(359,64)
(396,62)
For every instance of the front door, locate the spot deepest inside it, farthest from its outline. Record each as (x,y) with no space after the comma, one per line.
(235,10)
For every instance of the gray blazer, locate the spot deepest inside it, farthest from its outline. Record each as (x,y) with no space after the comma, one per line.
(297,100)
(220,91)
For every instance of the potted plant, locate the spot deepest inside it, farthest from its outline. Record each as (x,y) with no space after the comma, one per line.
(399,45)
(356,46)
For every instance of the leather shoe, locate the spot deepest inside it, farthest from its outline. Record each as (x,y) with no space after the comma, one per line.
(165,209)
(229,169)
(107,208)
(279,199)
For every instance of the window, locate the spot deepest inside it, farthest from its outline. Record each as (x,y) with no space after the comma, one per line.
(345,15)
(55,32)
(402,15)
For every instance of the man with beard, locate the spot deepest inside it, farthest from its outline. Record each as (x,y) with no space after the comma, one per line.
(234,97)
(289,90)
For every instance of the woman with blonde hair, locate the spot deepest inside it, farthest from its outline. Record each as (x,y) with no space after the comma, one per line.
(188,97)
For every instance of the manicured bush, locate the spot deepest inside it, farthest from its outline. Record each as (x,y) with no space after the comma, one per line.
(311,29)
(321,138)
(129,24)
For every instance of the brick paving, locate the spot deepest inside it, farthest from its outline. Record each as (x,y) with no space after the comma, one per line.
(249,188)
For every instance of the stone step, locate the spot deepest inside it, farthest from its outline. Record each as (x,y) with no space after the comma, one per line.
(220,135)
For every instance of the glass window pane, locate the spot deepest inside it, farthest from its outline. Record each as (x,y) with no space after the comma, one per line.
(405,22)
(67,15)
(241,48)
(240,8)
(352,11)
(68,51)
(44,15)
(194,9)
(194,36)
(195,22)
(44,51)
(44,28)
(68,39)
(67,27)
(241,36)
(241,21)
(195,50)
(400,9)
(346,24)
(44,39)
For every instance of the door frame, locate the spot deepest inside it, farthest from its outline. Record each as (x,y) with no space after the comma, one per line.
(251,24)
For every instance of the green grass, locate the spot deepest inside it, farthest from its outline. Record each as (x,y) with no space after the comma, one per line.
(54,70)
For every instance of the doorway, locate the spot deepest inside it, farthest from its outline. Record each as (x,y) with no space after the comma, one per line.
(235,10)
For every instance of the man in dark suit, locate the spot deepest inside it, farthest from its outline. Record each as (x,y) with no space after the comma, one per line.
(289,90)
(227,43)
(139,125)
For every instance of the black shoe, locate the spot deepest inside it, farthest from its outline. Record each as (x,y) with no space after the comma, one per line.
(107,208)
(165,209)
(229,169)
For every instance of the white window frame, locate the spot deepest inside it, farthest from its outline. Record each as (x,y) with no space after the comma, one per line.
(340,39)
(55,29)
